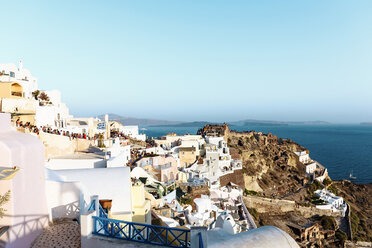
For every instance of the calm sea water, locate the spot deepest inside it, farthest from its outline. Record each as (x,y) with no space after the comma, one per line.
(340,148)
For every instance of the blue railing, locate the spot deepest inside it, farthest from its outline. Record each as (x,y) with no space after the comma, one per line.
(144,233)
(101,212)
(92,206)
(201,245)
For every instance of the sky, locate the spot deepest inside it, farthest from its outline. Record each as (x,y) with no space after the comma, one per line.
(198,60)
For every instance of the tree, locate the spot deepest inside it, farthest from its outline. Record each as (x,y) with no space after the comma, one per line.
(43,96)
(4,199)
(36,94)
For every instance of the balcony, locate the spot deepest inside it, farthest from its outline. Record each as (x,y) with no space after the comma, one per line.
(15,93)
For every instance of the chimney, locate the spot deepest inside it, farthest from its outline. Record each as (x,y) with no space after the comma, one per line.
(20,66)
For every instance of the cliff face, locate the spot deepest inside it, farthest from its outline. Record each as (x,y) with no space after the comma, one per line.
(359,198)
(271,168)
(269,163)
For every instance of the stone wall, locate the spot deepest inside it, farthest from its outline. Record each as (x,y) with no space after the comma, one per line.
(263,205)
(57,145)
(267,205)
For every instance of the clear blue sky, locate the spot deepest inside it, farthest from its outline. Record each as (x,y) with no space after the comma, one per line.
(198,60)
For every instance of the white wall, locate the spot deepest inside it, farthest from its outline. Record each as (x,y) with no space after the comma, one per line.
(120,160)
(129,130)
(27,214)
(22,76)
(72,164)
(108,183)
(63,199)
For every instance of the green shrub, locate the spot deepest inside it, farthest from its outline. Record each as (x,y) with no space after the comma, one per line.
(313,187)
(253,212)
(250,192)
(316,200)
(327,181)
(340,235)
(327,222)
(4,199)
(186,201)
(333,189)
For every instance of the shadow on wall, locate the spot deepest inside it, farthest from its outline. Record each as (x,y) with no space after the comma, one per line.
(26,231)
(70,211)
(93,149)
(100,164)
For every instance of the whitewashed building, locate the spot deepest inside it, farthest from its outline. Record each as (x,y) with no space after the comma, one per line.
(332,202)
(54,114)
(9,72)
(216,162)
(132,131)
(303,157)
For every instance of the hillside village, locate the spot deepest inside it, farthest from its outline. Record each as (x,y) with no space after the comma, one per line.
(108,185)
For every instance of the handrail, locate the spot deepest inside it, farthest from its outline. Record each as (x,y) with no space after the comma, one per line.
(201,245)
(140,232)
(92,206)
(102,212)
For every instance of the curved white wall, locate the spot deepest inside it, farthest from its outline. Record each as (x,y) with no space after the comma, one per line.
(27,214)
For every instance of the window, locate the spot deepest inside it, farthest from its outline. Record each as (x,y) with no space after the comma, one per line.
(11,74)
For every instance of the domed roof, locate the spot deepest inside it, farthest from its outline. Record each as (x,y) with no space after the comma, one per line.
(263,237)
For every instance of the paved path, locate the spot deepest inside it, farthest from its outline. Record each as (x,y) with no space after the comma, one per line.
(62,235)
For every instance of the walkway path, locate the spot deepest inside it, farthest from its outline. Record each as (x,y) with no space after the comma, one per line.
(63,234)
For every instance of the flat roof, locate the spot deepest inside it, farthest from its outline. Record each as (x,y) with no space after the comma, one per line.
(82,156)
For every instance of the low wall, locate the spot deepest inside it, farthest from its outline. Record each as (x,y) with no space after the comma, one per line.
(263,205)
(307,212)
(70,164)
(57,145)
(266,205)
(63,199)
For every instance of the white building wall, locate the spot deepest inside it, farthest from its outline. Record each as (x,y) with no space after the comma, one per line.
(63,199)
(310,168)
(27,212)
(19,75)
(55,115)
(129,130)
(75,164)
(10,105)
(108,183)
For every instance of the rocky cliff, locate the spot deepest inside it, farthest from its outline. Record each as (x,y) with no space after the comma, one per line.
(269,163)
(271,169)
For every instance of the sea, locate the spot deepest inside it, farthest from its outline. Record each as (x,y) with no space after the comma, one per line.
(342,149)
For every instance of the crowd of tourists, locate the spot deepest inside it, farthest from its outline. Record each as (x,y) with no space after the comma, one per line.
(34,129)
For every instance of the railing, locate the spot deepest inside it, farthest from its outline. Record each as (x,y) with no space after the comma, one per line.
(144,233)
(92,206)
(101,212)
(200,241)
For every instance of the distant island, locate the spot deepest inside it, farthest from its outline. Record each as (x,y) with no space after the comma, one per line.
(188,124)
(165,123)
(276,123)
(139,121)
(366,123)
